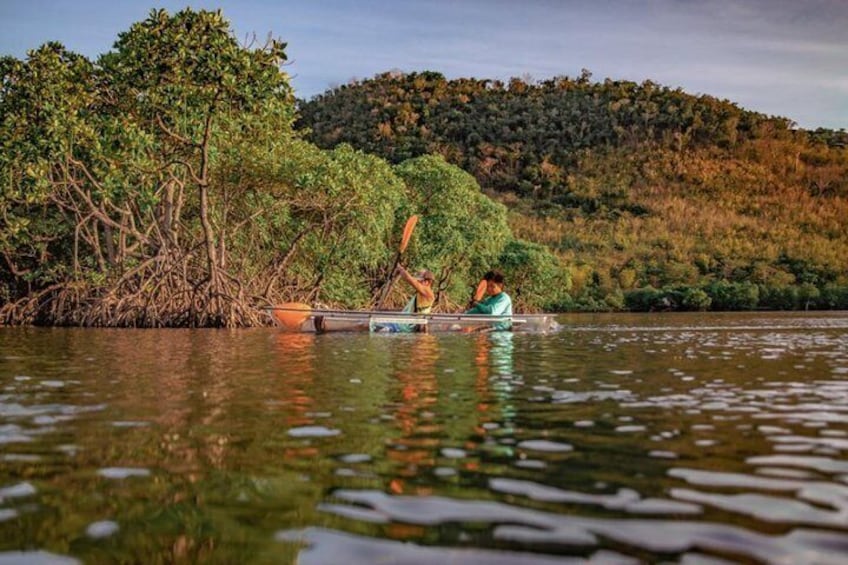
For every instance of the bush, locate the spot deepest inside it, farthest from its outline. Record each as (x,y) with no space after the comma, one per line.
(808,296)
(778,297)
(730,296)
(834,297)
(646,299)
(536,274)
(695,299)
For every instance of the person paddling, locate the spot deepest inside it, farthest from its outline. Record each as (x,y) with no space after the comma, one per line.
(422,301)
(496,302)
(419,303)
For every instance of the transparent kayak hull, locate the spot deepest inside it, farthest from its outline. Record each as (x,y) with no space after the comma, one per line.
(378,321)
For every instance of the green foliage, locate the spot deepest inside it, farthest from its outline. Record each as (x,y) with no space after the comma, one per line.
(834,297)
(733,296)
(44,106)
(107,170)
(729,296)
(352,198)
(461,232)
(647,299)
(538,278)
(331,212)
(678,298)
(808,295)
(778,297)
(695,299)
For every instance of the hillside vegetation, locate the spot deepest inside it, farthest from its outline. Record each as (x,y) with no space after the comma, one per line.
(651,197)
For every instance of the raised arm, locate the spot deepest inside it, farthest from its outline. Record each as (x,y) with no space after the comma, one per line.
(419,287)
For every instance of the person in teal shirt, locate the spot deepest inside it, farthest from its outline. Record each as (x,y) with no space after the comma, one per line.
(496,303)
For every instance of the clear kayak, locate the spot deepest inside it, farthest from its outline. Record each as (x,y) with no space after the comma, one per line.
(298,317)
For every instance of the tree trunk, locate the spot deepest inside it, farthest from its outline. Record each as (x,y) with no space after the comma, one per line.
(208,231)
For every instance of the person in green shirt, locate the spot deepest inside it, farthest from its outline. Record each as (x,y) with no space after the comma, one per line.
(496,302)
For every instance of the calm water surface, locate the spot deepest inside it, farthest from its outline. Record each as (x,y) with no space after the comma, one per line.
(621,439)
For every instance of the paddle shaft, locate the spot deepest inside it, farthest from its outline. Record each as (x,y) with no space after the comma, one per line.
(408,228)
(388,288)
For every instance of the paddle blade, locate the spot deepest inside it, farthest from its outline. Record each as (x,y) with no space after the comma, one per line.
(291,315)
(480,292)
(407,232)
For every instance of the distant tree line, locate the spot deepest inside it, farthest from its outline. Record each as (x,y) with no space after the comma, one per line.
(737,296)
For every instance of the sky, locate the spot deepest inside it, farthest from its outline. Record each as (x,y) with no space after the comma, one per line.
(780,57)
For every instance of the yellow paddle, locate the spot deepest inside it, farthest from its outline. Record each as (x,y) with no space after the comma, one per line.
(404,241)
(480,292)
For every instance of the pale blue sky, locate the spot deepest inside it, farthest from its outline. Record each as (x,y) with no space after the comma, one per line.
(780,57)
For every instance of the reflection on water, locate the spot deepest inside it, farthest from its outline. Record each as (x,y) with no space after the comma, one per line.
(622,438)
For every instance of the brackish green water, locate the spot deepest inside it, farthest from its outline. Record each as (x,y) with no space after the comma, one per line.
(622,438)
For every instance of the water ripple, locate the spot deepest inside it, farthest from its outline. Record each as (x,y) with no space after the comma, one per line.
(520,524)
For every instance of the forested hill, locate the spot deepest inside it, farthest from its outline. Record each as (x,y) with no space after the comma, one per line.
(647,192)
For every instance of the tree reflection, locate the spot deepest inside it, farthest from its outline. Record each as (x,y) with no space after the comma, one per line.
(296,358)
(432,421)
(417,398)
(494,361)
